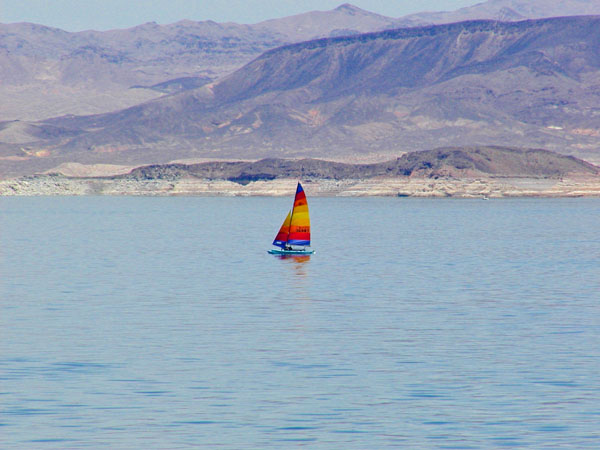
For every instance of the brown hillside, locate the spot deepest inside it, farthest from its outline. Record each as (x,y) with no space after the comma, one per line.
(446,162)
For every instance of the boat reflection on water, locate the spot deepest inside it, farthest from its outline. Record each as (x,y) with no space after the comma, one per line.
(295,258)
(298,262)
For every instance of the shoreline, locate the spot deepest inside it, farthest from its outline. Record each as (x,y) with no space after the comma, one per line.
(480,187)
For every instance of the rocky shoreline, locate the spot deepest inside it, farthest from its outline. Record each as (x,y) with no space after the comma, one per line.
(479,187)
(474,172)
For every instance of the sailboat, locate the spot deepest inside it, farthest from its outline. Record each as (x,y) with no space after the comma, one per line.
(294,235)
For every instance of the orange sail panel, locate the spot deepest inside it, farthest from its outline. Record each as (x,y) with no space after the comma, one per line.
(296,227)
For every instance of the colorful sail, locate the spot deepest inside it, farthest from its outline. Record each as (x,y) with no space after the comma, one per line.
(296,226)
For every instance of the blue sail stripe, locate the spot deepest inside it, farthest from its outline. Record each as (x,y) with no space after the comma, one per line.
(298,242)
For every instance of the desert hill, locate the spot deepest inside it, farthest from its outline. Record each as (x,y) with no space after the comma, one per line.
(475,172)
(443,162)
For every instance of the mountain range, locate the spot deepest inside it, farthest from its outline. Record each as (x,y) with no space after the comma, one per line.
(505,10)
(530,83)
(47,72)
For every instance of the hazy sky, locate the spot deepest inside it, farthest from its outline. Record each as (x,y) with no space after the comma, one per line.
(77,15)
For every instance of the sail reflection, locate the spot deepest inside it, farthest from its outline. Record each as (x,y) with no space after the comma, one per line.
(298,262)
(295,258)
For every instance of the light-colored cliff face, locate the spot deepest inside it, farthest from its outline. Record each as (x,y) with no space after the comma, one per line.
(403,187)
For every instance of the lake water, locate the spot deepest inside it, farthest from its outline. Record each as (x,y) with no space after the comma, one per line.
(429,324)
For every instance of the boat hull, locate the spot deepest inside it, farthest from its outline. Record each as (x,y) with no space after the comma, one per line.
(277,251)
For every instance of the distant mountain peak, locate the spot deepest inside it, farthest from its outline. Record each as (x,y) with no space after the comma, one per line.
(349,8)
(509,14)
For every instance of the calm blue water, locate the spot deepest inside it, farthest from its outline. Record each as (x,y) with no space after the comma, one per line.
(433,324)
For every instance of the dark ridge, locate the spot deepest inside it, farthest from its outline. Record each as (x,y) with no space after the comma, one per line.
(432,30)
(158,172)
(176,85)
(442,162)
